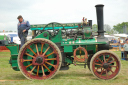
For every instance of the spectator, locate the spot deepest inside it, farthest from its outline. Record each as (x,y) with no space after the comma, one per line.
(119,42)
(112,41)
(126,49)
(126,39)
(115,41)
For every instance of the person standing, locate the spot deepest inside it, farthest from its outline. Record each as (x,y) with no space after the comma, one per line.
(126,49)
(126,39)
(23,27)
(119,42)
(112,41)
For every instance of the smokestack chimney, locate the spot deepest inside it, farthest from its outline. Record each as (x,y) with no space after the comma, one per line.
(100,22)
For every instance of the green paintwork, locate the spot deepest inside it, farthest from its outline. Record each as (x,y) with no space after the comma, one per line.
(14,49)
(79,41)
(34,49)
(68,48)
(42,35)
(68,60)
(87,32)
(55,39)
(68,44)
(56,26)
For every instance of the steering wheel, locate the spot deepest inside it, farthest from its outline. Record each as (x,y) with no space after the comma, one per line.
(54,30)
(53,25)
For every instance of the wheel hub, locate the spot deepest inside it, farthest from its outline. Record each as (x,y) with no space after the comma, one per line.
(105,65)
(39,60)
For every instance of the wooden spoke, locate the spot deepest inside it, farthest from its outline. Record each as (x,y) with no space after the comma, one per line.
(80,53)
(37,49)
(100,60)
(43,71)
(110,67)
(46,67)
(31,50)
(113,66)
(51,59)
(108,58)
(27,60)
(110,70)
(37,70)
(46,50)
(106,73)
(28,65)
(42,44)
(29,55)
(111,62)
(50,64)
(32,69)
(102,71)
(98,64)
(104,59)
(50,54)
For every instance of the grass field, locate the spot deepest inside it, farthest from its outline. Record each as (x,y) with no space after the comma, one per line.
(76,75)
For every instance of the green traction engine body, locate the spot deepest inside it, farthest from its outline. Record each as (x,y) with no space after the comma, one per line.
(67,39)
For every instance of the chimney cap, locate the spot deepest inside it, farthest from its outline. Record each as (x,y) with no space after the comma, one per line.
(99,5)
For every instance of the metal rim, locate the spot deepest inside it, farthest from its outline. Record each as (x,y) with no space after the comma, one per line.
(42,64)
(105,65)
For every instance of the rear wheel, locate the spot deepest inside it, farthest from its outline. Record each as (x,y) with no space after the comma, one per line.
(39,59)
(105,65)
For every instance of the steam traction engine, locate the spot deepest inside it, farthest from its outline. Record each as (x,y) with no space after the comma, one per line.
(55,46)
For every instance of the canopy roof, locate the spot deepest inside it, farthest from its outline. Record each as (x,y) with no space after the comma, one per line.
(56,26)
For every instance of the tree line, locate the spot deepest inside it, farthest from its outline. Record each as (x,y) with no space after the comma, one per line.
(118,28)
(7,31)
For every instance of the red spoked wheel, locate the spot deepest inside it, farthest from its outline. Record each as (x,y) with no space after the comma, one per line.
(39,59)
(105,65)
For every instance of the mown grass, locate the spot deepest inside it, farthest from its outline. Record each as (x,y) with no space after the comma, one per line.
(76,75)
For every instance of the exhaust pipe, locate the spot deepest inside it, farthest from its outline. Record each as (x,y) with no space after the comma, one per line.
(100,23)
(100,20)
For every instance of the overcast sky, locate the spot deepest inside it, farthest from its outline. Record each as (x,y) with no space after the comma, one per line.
(63,11)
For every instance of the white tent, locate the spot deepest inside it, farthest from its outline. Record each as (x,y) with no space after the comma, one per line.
(110,37)
(121,35)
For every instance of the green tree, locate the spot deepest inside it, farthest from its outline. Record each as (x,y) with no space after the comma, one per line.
(113,31)
(10,31)
(107,29)
(120,27)
(94,28)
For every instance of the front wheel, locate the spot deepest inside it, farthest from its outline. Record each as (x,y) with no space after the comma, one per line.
(105,65)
